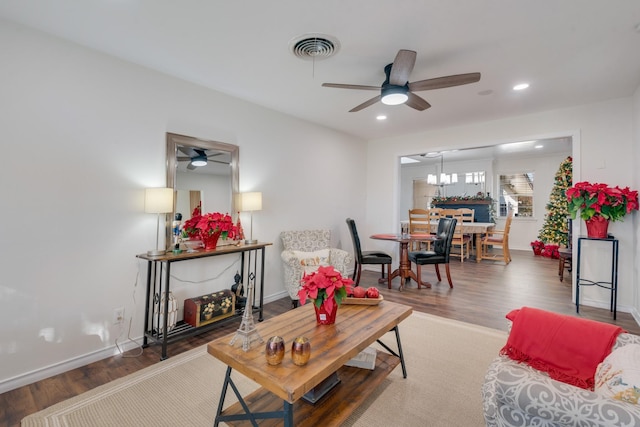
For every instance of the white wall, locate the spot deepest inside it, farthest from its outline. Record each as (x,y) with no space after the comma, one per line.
(602,134)
(82,135)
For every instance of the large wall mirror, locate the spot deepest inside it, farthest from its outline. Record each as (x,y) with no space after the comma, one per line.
(202,172)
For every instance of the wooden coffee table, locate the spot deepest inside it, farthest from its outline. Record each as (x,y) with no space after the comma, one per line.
(356,327)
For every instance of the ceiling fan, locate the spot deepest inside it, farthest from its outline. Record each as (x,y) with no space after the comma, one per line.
(396,89)
(198,157)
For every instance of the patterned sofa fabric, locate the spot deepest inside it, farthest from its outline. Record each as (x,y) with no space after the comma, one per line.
(311,241)
(515,394)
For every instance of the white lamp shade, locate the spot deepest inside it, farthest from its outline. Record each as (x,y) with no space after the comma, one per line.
(250,201)
(158,200)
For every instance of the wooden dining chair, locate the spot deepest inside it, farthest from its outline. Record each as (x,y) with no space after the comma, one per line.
(434,217)
(441,252)
(498,238)
(419,224)
(460,240)
(367,257)
(468,215)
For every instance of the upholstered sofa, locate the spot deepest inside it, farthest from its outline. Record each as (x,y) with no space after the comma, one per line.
(515,394)
(304,251)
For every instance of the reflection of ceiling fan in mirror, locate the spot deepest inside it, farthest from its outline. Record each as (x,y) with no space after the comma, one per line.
(397,89)
(198,157)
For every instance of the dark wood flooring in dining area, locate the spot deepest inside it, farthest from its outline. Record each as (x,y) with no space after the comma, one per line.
(483,293)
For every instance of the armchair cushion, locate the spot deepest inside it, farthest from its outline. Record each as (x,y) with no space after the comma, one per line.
(310,261)
(618,376)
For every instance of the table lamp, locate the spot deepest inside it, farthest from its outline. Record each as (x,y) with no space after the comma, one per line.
(250,202)
(158,201)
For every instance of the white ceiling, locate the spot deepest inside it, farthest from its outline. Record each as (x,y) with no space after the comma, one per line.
(570,51)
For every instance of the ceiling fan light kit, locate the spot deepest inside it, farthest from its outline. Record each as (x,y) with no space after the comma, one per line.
(393,95)
(198,157)
(396,89)
(199,160)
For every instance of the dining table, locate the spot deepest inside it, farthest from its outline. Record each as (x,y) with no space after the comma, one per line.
(404,269)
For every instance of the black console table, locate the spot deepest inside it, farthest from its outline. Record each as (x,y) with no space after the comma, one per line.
(156,284)
(612,285)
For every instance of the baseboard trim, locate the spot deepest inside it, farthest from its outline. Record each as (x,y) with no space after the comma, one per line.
(605,305)
(85,359)
(64,366)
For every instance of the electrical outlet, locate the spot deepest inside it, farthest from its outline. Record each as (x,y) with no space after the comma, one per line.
(118,316)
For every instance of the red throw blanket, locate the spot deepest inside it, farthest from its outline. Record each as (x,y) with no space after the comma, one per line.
(568,348)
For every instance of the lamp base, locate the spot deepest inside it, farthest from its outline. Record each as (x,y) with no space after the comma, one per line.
(156,252)
(250,242)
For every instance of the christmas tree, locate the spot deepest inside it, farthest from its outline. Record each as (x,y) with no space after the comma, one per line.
(554,230)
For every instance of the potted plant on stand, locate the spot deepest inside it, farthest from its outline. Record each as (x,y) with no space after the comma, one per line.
(598,204)
(326,288)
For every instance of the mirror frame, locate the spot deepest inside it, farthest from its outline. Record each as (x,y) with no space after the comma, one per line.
(173,141)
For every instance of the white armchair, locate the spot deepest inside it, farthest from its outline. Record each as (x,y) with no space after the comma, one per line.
(306,250)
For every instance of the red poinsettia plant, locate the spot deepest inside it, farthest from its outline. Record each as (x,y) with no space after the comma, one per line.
(325,286)
(538,247)
(208,224)
(593,200)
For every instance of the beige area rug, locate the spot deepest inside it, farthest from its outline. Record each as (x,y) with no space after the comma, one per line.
(446,362)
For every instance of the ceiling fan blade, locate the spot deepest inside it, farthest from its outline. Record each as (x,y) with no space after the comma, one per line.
(446,81)
(365,104)
(191,167)
(183,159)
(402,67)
(189,151)
(416,102)
(346,86)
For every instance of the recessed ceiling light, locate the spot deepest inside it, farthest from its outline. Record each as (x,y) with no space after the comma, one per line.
(521,86)
(381,117)
(538,146)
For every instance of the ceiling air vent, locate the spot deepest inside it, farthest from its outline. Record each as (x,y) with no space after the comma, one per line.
(314,46)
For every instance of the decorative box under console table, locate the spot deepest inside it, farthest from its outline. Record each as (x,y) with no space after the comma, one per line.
(612,286)
(158,284)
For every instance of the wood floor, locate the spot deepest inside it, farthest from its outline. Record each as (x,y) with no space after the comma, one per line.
(483,293)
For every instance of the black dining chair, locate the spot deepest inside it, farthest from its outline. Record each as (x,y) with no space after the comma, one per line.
(367,257)
(440,253)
